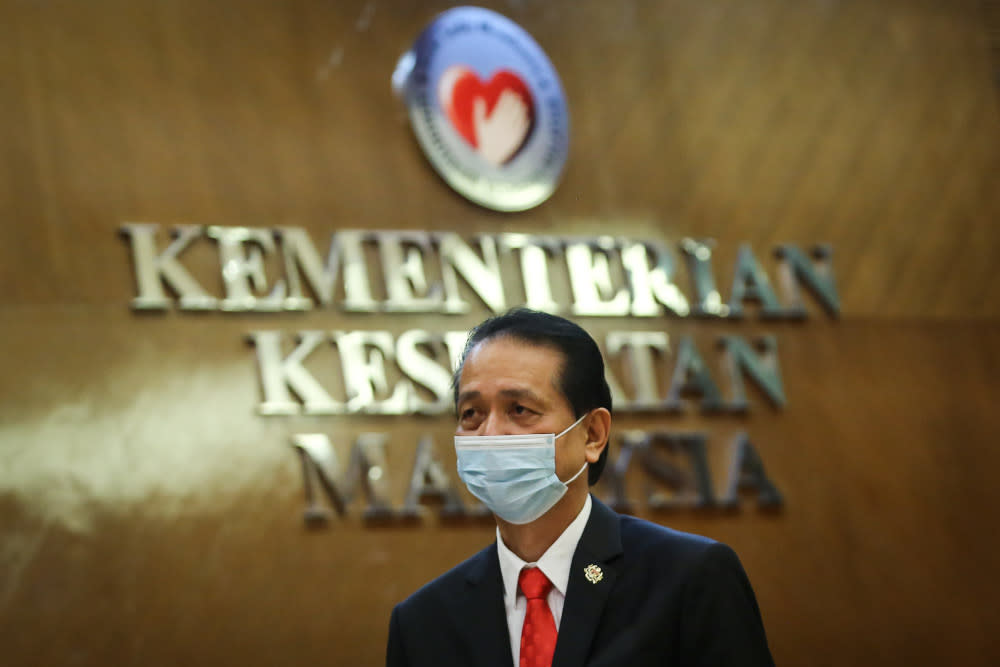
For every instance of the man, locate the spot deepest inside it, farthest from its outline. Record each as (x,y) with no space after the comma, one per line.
(568,581)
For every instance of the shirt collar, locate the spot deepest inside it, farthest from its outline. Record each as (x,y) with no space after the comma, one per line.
(554,563)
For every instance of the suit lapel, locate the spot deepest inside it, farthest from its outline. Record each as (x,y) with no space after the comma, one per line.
(481,615)
(600,546)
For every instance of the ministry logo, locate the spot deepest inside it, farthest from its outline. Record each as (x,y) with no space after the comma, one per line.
(494,117)
(487,108)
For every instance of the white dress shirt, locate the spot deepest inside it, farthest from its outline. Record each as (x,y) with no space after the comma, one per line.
(554,563)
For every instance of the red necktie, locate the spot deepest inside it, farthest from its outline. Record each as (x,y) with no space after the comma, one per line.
(538,635)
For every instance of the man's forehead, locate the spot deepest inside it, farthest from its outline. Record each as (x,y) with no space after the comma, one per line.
(519,353)
(511,344)
(527,366)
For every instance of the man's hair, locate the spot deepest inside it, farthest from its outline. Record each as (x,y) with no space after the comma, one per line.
(581,376)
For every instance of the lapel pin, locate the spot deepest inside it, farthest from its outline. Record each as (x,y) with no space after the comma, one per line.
(593,573)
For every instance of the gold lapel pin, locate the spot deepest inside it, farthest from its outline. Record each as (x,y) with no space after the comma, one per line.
(593,573)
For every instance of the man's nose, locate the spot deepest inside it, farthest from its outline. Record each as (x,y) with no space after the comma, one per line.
(494,424)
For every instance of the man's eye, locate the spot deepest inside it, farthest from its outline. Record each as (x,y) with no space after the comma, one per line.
(521,410)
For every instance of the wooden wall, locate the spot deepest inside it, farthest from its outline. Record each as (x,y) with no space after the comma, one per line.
(149,516)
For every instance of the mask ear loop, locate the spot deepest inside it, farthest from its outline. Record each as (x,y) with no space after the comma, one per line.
(578,473)
(572,426)
(565,431)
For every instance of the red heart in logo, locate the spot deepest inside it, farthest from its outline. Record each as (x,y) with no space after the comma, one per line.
(495,117)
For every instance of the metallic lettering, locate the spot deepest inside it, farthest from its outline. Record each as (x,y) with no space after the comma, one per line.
(277,375)
(363,355)
(747,473)
(795,269)
(299,253)
(640,369)
(534,252)
(428,480)
(402,256)
(424,371)
(590,278)
(152,270)
(691,376)
(482,275)
(674,465)
(243,268)
(650,286)
(605,276)
(750,282)
(691,484)
(763,369)
(699,261)
(321,468)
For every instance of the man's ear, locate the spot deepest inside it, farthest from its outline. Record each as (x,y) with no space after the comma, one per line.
(598,429)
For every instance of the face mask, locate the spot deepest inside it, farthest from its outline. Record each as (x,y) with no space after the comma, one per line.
(513,475)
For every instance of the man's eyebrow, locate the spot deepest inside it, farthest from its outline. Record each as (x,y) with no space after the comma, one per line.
(525,394)
(466,395)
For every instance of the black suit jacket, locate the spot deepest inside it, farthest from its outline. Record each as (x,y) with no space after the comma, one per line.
(666,598)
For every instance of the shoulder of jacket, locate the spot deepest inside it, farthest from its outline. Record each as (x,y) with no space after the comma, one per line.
(640,533)
(445,585)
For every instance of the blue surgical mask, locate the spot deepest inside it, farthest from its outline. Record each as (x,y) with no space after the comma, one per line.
(513,475)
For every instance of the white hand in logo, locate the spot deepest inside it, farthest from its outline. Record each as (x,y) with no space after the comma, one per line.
(499,135)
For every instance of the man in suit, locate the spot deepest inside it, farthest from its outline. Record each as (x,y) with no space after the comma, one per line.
(568,582)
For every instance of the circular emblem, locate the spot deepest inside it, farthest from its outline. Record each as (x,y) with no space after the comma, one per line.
(487,108)
(593,573)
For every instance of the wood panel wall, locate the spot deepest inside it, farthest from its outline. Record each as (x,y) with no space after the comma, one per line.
(149,516)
